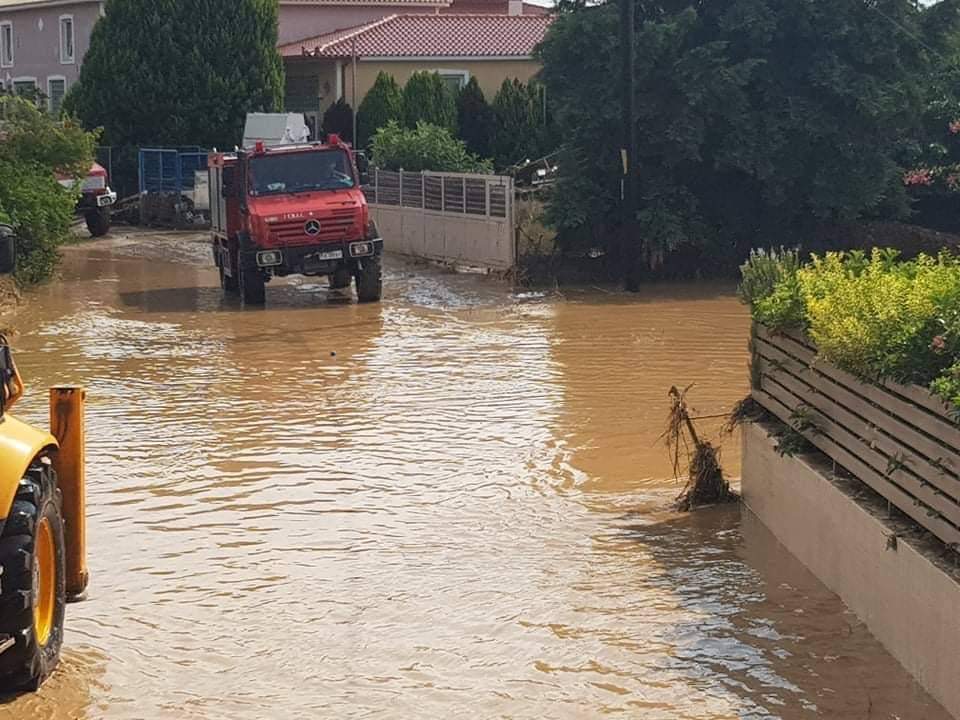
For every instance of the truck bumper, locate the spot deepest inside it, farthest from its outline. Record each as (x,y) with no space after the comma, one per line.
(89,201)
(322,259)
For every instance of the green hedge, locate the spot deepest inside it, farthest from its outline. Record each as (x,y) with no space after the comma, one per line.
(875,316)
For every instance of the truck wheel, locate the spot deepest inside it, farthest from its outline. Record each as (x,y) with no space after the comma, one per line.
(369,280)
(33,584)
(253,288)
(341,278)
(98,222)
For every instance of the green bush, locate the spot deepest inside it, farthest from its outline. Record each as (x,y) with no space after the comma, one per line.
(426,98)
(40,209)
(475,118)
(520,125)
(875,316)
(338,119)
(383,103)
(427,147)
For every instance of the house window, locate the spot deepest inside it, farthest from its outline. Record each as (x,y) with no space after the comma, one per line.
(56,88)
(25,87)
(66,39)
(6,44)
(454,79)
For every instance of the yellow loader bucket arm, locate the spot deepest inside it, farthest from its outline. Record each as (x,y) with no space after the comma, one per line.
(11,386)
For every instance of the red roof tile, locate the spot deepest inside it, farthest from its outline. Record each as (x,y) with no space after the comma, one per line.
(430,36)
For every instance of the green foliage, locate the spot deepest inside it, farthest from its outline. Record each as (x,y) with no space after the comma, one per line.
(763,270)
(383,103)
(426,98)
(878,318)
(338,119)
(875,316)
(179,72)
(475,118)
(427,147)
(769,285)
(34,151)
(520,129)
(754,117)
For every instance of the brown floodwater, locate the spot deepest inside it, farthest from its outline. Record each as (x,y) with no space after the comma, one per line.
(450,504)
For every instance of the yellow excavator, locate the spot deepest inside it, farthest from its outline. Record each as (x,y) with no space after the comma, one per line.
(42,529)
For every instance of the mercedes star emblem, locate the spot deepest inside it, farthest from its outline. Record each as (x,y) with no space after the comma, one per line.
(312,227)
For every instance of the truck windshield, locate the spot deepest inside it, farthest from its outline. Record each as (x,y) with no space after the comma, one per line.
(300,171)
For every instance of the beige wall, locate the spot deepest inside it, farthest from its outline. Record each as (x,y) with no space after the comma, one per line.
(908,603)
(489,73)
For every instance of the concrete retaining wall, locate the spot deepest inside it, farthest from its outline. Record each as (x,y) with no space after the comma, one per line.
(908,598)
(450,239)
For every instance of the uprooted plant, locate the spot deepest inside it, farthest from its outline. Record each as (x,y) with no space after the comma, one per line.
(705,484)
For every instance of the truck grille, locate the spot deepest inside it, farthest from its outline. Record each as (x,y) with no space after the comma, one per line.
(337,225)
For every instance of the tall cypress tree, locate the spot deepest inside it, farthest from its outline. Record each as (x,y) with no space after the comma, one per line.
(475,118)
(519,129)
(427,99)
(383,103)
(179,72)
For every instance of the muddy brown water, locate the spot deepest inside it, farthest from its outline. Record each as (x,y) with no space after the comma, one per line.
(450,504)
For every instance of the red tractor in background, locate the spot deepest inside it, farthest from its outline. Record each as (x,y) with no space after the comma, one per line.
(96,200)
(295,209)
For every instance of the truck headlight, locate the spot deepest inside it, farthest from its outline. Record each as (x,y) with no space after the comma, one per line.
(269,258)
(361,249)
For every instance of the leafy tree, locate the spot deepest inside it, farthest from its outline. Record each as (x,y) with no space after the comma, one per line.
(756,118)
(338,119)
(426,147)
(179,72)
(34,152)
(474,118)
(426,98)
(383,103)
(520,129)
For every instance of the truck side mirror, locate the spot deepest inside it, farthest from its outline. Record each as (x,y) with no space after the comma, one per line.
(363,167)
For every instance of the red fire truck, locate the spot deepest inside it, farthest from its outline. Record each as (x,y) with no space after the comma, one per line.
(96,199)
(292,210)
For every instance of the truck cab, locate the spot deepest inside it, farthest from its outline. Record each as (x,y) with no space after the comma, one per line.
(294,209)
(96,199)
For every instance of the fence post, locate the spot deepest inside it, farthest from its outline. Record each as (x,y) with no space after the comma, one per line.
(463,196)
(443,194)
(486,202)
(401,188)
(376,185)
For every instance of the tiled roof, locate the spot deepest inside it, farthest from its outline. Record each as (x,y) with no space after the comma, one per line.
(430,36)
(16,4)
(363,2)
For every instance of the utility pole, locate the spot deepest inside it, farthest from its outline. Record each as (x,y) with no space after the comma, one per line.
(353,77)
(628,151)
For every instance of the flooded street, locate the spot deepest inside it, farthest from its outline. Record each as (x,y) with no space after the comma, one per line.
(450,504)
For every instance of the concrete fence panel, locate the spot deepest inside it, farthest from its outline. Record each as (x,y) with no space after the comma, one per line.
(453,218)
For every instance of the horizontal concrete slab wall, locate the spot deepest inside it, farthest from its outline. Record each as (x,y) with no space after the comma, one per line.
(910,602)
(481,242)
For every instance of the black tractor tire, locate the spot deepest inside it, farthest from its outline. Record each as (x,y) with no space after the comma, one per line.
(341,278)
(36,512)
(228,283)
(253,288)
(98,222)
(370,280)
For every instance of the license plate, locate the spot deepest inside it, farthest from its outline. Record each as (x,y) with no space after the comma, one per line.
(329,255)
